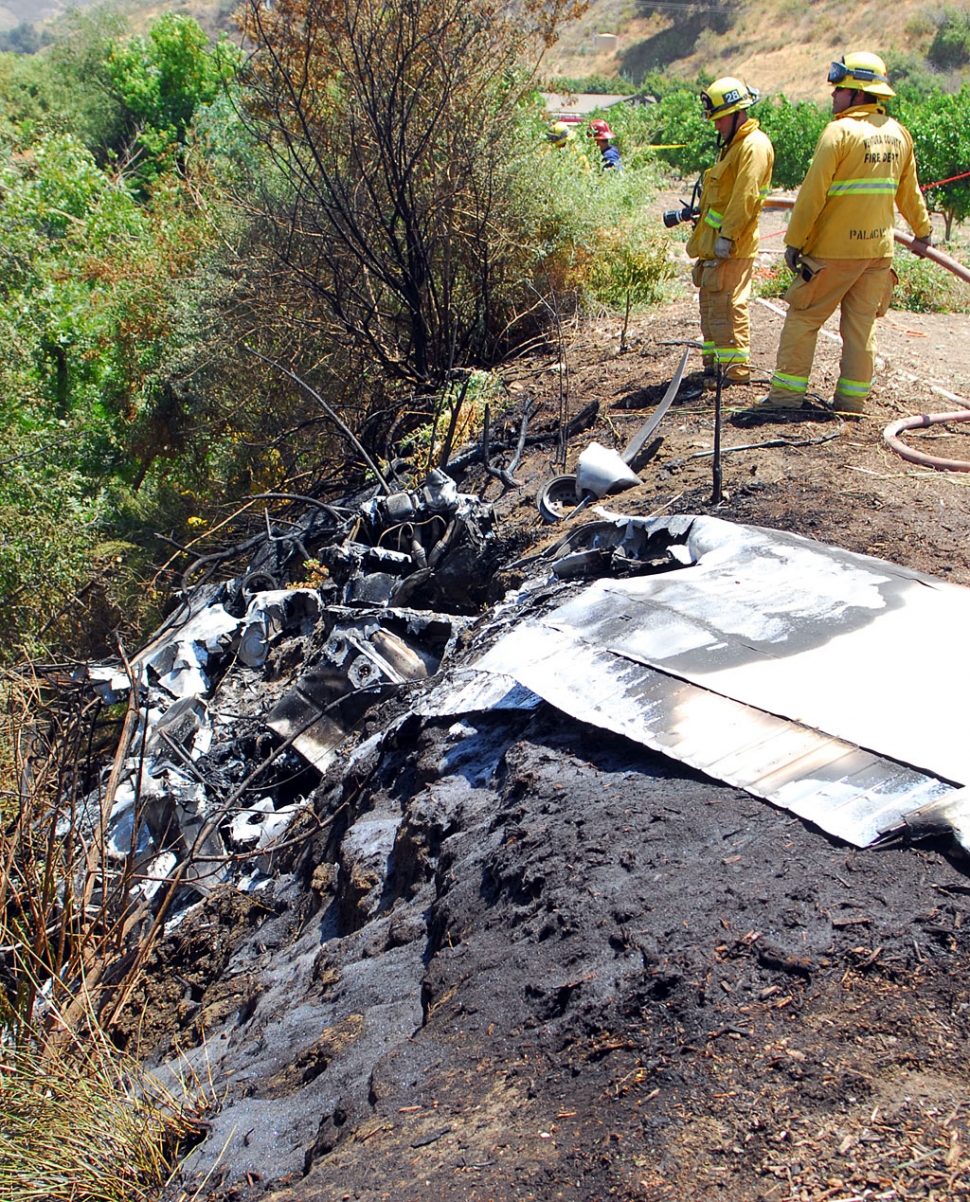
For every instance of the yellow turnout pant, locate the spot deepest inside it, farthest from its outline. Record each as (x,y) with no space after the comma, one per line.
(725,285)
(863,289)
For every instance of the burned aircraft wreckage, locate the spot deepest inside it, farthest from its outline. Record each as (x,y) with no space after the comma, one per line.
(764,659)
(247,671)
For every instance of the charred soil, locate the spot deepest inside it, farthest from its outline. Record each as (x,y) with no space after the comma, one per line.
(591,973)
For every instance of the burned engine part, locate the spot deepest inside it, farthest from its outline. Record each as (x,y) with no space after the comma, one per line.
(557,498)
(360,663)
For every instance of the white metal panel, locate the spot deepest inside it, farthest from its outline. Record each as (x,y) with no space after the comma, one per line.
(774,663)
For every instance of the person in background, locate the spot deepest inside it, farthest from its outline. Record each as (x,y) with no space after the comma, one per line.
(561,137)
(559,134)
(603,135)
(840,236)
(725,237)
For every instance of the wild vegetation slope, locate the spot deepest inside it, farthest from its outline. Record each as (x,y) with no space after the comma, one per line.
(780,45)
(155,229)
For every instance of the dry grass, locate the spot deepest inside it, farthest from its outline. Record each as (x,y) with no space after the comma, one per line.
(79,1121)
(778,45)
(82,1123)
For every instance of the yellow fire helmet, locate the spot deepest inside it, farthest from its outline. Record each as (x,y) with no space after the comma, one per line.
(559,133)
(862,72)
(726,96)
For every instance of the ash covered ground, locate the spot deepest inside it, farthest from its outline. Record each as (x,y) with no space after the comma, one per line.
(507,956)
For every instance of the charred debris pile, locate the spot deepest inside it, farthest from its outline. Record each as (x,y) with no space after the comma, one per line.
(337,805)
(255,685)
(256,690)
(252,687)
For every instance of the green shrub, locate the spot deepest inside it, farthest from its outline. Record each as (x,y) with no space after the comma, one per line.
(47,533)
(770,280)
(631,268)
(912,79)
(925,287)
(593,235)
(659,84)
(950,47)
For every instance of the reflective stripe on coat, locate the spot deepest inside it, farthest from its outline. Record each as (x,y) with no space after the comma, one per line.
(863,166)
(732,195)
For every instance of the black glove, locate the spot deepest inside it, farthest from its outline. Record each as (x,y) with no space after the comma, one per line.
(792,254)
(919,245)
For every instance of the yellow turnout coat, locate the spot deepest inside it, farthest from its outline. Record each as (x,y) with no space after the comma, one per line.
(863,166)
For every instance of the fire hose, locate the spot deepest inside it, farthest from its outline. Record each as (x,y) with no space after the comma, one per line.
(907,240)
(920,422)
(923,420)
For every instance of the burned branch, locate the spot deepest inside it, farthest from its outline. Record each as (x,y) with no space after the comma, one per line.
(388,127)
(502,474)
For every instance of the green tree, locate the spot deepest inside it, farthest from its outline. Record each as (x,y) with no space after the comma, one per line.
(597,84)
(162,80)
(23,39)
(688,139)
(67,88)
(48,531)
(940,125)
(794,130)
(83,90)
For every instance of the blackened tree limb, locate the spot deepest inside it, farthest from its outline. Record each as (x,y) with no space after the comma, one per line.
(495,472)
(530,408)
(581,421)
(331,413)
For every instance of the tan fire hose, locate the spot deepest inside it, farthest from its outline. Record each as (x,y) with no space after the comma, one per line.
(907,240)
(922,420)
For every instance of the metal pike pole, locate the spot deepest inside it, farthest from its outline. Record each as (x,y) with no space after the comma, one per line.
(716,492)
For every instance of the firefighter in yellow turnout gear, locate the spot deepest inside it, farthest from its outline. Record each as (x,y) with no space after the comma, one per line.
(725,238)
(842,224)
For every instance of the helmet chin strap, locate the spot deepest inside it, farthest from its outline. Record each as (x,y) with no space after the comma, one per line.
(738,120)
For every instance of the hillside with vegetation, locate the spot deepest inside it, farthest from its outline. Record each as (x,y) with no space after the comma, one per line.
(240,286)
(779,45)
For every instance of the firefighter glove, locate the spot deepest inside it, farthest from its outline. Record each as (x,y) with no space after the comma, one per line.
(792,255)
(919,245)
(722,247)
